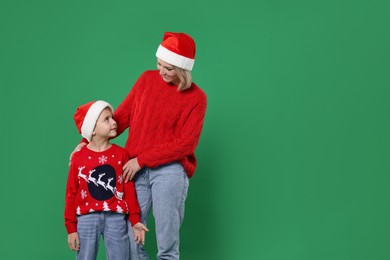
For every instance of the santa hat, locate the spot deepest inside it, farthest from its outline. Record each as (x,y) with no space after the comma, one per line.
(177,49)
(87,115)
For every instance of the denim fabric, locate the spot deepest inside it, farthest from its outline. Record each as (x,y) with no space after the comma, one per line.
(114,230)
(164,189)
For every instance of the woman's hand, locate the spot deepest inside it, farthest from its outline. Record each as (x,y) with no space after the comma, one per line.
(130,169)
(74,241)
(139,230)
(78,148)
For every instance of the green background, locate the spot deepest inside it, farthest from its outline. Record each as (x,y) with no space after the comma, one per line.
(294,155)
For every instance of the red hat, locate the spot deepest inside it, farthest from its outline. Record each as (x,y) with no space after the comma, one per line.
(177,49)
(87,115)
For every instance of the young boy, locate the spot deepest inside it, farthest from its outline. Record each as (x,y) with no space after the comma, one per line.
(97,198)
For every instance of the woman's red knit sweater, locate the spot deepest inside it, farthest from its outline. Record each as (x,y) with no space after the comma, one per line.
(165,124)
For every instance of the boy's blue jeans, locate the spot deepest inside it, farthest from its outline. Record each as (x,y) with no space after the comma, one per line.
(112,226)
(164,189)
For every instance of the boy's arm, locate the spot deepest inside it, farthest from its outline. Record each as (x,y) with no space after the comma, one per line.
(70,199)
(130,196)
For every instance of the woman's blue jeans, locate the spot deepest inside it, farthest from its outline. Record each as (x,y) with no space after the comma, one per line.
(164,189)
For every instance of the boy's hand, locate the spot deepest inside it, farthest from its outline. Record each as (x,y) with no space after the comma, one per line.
(130,169)
(74,241)
(139,230)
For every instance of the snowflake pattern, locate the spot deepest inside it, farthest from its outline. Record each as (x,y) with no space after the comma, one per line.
(102,159)
(83,194)
(120,179)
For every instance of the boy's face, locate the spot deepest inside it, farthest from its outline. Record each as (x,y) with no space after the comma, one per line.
(105,125)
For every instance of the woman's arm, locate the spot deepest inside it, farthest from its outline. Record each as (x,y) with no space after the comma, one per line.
(77,149)
(123,113)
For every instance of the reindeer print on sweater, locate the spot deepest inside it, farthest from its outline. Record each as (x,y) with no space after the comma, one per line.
(95,184)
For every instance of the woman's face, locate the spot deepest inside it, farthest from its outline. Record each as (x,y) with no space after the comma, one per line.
(168,72)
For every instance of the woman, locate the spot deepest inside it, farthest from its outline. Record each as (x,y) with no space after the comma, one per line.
(164,112)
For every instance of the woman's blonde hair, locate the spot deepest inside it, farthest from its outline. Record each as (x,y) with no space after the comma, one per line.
(185,78)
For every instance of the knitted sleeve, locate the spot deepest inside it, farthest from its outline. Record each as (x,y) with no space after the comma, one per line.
(124,111)
(181,146)
(130,196)
(132,203)
(70,199)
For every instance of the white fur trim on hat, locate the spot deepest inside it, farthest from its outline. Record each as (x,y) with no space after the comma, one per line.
(91,117)
(174,58)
